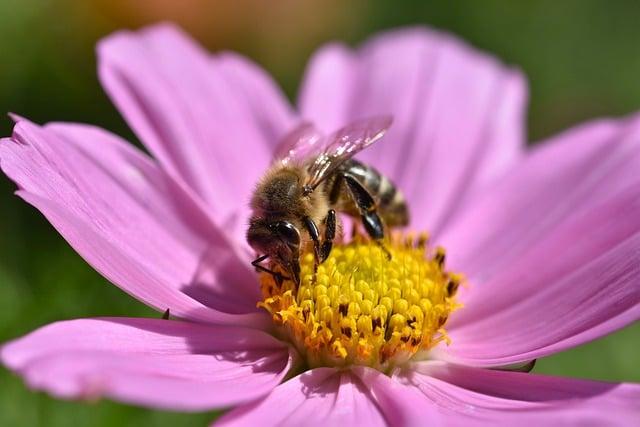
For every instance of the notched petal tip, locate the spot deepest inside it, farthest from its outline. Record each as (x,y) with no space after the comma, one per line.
(23,129)
(120,43)
(16,117)
(159,28)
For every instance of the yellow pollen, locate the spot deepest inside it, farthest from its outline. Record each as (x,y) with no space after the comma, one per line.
(363,308)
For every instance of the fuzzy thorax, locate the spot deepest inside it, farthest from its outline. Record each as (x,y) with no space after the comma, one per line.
(362,308)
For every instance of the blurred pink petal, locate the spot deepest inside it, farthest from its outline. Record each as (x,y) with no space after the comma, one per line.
(155,363)
(320,397)
(128,220)
(212,121)
(326,91)
(543,304)
(270,109)
(471,396)
(458,114)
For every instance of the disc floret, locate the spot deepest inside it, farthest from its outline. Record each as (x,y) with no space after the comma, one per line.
(362,308)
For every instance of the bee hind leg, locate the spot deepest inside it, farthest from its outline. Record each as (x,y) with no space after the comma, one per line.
(368,212)
(373,224)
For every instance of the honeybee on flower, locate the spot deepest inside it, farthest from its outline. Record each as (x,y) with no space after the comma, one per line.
(547,240)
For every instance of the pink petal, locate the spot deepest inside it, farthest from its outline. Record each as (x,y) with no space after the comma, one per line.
(270,109)
(458,114)
(320,397)
(579,284)
(576,281)
(130,221)
(401,405)
(561,177)
(326,91)
(212,121)
(150,362)
(471,396)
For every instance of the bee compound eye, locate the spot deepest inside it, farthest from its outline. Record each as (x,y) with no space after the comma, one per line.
(288,232)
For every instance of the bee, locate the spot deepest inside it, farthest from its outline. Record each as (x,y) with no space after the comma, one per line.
(294,205)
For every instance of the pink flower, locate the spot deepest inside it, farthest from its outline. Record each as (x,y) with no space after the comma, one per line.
(548,238)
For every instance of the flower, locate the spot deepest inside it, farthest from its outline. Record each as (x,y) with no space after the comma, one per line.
(548,238)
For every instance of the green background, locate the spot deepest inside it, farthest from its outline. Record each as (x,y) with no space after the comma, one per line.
(582,59)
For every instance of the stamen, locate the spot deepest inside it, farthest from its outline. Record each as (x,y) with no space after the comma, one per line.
(363,308)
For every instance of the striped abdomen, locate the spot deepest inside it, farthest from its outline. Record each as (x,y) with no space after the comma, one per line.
(391,204)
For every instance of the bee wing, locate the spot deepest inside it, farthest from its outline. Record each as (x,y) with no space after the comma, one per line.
(344,144)
(299,145)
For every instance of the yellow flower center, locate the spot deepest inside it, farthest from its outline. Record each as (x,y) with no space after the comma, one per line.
(362,308)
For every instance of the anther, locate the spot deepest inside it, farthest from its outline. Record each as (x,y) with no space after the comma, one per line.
(409,239)
(376,323)
(452,287)
(442,320)
(343,309)
(423,239)
(439,257)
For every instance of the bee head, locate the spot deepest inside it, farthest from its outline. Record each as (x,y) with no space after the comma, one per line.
(276,238)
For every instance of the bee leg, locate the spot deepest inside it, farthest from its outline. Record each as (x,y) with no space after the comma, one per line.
(295,272)
(373,224)
(384,249)
(368,213)
(279,278)
(312,229)
(329,235)
(294,266)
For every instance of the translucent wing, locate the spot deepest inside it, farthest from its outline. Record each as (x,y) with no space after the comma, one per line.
(343,145)
(299,145)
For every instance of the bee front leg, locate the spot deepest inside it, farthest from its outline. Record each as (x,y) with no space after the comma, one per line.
(279,278)
(329,235)
(368,212)
(322,250)
(294,266)
(312,229)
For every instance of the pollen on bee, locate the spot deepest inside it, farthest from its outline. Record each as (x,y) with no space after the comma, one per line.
(362,308)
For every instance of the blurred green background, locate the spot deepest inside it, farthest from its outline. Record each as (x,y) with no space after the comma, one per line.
(582,59)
